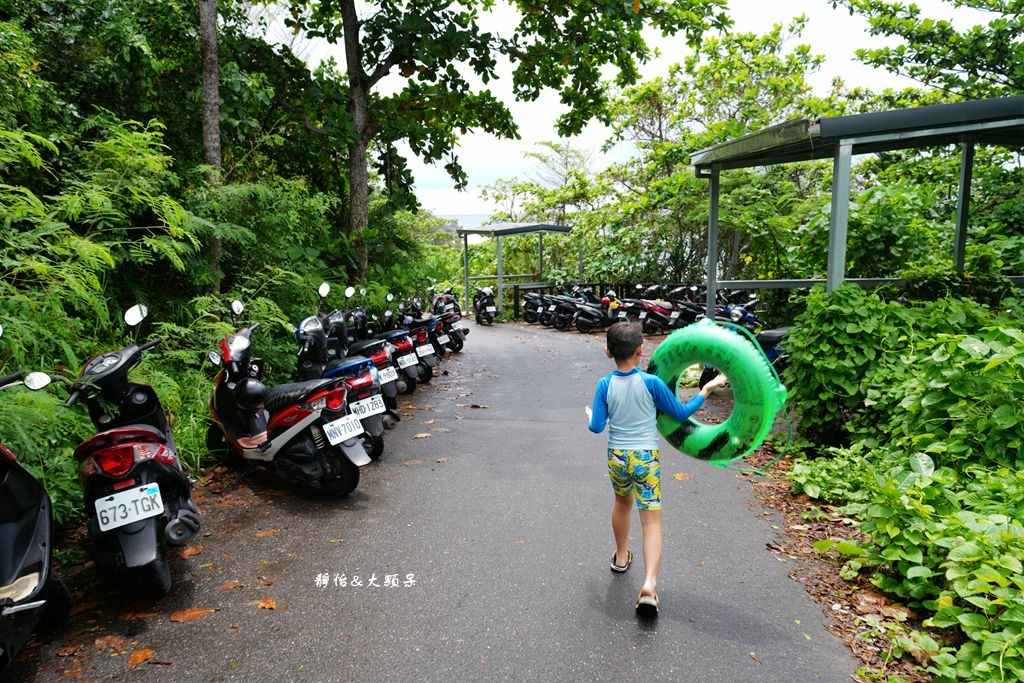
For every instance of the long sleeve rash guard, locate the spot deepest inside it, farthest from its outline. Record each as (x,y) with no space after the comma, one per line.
(631,399)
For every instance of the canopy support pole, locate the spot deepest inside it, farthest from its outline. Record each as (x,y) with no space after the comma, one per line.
(499,273)
(465,267)
(840,217)
(712,264)
(963,204)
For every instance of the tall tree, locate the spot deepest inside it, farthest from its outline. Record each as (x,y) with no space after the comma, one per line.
(982,60)
(440,48)
(211,117)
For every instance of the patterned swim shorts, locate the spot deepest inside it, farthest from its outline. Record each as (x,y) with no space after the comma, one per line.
(639,472)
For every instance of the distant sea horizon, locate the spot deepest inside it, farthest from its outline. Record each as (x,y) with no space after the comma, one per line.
(466,220)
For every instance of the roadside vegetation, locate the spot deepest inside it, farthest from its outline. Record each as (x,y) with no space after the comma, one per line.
(909,402)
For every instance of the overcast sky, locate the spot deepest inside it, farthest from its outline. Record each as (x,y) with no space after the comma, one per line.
(830,32)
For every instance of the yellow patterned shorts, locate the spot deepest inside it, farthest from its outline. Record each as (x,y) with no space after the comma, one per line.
(639,472)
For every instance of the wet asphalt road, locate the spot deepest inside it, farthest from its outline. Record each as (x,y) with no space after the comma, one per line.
(482,553)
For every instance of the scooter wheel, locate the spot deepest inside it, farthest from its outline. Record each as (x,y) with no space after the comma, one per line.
(58,602)
(455,345)
(153,579)
(426,373)
(343,480)
(374,446)
(650,327)
(584,326)
(530,317)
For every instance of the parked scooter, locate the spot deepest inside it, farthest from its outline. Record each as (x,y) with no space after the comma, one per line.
(483,306)
(32,594)
(445,302)
(365,365)
(137,497)
(596,316)
(302,430)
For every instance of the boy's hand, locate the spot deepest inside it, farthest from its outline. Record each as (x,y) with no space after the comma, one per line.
(590,413)
(717,383)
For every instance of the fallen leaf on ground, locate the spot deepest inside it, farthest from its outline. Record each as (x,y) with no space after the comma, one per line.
(428,422)
(424,435)
(191,551)
(469,405)
(230,584)
(139,656)
(267,532)
(267,603)
(753,655)
(110,643)
(264,581)
(681,476)
(520,541)
(68,650)
(411,463)
(191,614)
(443,458)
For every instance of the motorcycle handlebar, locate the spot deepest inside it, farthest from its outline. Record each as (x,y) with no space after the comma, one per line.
(73,399)
(13,377)
(150,344)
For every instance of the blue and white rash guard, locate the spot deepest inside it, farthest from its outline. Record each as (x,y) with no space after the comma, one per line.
(633,398)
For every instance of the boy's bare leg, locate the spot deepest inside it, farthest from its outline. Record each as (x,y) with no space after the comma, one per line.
(621,513)
(651,522)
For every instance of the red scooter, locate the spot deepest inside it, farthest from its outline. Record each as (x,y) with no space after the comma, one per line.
(302,430)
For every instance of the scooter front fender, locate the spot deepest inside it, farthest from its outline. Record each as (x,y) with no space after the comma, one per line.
(374,425)
(354,451)
(389,390)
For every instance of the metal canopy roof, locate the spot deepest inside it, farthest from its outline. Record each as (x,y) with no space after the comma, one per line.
(504,229)
(996,121)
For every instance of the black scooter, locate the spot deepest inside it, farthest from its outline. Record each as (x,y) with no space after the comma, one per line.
(32,595)
(138,499)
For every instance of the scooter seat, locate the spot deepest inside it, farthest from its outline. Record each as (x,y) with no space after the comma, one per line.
(349,364)
(284,395)
(394,334)
(773,337)
(365,347)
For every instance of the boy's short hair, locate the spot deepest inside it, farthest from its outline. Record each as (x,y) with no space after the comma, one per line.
(624,339)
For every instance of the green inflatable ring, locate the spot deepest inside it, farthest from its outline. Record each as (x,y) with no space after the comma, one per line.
(757,392)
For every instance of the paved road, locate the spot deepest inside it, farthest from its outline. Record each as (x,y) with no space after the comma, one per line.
(488,542)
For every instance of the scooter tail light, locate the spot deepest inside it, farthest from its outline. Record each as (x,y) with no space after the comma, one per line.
(336,400)
(421,335)
(7,454)
(153,451)
(116,461)
(360,382)
(403,344)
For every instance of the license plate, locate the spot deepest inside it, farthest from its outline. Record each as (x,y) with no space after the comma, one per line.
(129,506)
(443,339)
(449,307)
(407,360)
(492,309)
(675,314)
(425,350)
(368,406)
(459,326)
(388,375)
(342,429)
(552,307)
(622,314)
(643,315)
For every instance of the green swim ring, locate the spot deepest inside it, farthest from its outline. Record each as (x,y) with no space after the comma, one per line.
(757,392)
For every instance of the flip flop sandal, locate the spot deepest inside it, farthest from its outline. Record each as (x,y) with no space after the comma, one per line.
(620,568)
(647,605)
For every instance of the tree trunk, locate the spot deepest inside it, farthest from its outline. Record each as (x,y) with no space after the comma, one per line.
(359,110)
(211,119)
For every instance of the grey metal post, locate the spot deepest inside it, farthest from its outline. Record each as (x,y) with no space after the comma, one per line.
(712,265)
(840,217)
(465,267)
(963,206)
(499,272)
(540,261)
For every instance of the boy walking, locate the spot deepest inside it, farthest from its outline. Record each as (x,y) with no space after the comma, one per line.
(627,400)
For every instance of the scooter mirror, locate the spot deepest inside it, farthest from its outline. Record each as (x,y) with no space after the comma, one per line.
(2,330)
(37,380)
(362,291)
(324,290)
(349,291)
(390,297)
(135,315)
(214,358)
(237,307)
